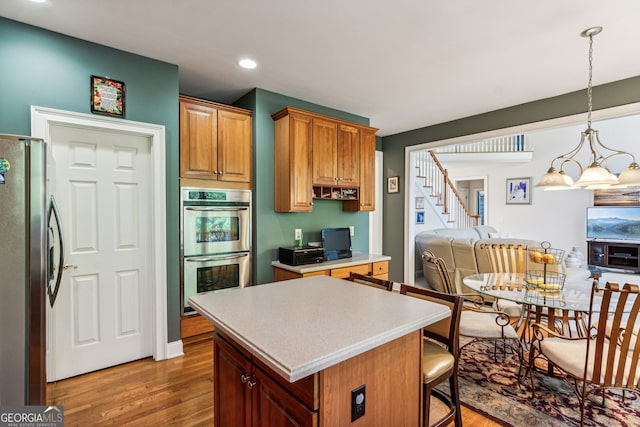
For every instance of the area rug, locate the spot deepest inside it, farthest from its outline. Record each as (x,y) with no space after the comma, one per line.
(492,388)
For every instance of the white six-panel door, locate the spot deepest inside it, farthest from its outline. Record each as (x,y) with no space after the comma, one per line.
(103,315)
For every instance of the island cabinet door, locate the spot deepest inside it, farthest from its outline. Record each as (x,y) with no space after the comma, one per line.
(231,393)
(273,406)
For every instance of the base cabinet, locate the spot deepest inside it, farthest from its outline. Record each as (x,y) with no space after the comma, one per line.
(379,269)
(624,256)
(245,395)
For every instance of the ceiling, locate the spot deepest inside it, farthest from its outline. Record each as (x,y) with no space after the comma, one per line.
(404,64)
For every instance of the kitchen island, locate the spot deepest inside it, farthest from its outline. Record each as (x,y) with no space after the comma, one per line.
(297,352)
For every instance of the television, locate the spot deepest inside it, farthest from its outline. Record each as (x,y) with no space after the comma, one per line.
(613,223)
(336,243)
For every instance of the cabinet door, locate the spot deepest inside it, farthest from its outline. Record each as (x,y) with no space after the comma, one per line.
(274,406)
(234,146)
(198,137)
(325,145)
(348,155)
(292,178)
(231,395)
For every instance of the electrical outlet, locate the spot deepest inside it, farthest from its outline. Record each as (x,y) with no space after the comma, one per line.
(352,230)
(357,402)
(298,234)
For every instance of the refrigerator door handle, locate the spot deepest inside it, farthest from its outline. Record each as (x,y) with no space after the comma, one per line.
(53,293)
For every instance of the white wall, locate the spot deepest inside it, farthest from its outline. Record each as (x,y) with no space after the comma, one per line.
(555,216)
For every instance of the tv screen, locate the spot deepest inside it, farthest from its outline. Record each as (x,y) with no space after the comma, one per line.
(613,223)
(336,243)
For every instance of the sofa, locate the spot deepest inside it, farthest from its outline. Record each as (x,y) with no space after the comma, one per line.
(461,251)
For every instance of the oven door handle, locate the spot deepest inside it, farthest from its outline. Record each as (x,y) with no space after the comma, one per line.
(217,209)
(215,258)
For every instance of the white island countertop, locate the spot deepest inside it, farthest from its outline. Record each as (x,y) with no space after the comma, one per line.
(299,327)
(358,258)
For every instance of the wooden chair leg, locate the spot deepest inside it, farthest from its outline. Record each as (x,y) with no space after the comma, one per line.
(455,398)
(426,405)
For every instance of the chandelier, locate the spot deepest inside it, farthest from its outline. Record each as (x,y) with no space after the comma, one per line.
(596,175)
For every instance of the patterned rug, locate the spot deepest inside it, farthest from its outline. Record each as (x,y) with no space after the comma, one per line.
(492,389)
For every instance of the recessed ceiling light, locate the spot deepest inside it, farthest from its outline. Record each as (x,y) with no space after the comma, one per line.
(247,63)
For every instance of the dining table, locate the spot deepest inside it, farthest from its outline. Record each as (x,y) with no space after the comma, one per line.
(564,309)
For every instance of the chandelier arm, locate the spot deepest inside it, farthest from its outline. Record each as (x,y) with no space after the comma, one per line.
(570,161)
(614,152)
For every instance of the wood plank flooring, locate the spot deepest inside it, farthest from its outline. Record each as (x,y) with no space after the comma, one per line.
(174,392)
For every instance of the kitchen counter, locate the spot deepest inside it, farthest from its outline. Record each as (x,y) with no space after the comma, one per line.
(301,326)
(358,258)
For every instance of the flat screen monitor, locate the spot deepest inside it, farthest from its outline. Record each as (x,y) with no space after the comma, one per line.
(613,223)
(336,243)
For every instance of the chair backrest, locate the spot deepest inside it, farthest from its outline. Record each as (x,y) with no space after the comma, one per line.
(441,268)
(375,282)
(446,331)
(615,353)
(506,257)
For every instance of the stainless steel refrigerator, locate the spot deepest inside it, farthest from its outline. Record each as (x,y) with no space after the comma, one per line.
(28,270)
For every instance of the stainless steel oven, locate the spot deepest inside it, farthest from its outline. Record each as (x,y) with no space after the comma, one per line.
(215,240)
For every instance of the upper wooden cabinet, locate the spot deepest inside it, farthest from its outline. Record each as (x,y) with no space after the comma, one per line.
(215,141)
(292,163)
(322,157)
(367,201)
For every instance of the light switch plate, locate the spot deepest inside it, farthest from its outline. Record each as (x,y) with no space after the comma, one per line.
(352,230)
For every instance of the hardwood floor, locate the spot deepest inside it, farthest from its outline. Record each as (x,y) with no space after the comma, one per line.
(174,392)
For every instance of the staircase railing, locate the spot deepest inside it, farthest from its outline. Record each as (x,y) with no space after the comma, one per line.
(436,177)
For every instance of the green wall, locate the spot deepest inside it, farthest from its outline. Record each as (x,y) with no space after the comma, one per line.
(393,146)
(274,229)
(39,67)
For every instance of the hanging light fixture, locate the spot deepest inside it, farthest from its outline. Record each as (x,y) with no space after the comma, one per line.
(596,175)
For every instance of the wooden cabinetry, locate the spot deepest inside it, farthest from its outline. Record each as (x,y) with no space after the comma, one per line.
(292,177)
(367,194)
(625,256)
(215,141)
(333,169)
(252,397)
(379,269)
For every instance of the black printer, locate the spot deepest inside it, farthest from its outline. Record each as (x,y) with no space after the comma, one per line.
(301,255)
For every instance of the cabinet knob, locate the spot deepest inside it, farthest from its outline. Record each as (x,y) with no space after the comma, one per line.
(244,378)
(220,172)
(252,383)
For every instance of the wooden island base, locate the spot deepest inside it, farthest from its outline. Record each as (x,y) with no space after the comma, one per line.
(246,388)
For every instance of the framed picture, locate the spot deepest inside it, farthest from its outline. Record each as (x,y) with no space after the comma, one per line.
(107,96)
(519,191)
(419,202)
(616,197)
(392,184)
(419,217)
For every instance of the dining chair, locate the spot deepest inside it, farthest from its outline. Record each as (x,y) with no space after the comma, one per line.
(507,258)
(478,321)
(607,357)
(375,282)
(440,355)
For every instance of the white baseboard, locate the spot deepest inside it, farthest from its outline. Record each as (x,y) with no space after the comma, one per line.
(174,349)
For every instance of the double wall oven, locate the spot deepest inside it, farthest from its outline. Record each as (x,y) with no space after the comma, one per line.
(215,240)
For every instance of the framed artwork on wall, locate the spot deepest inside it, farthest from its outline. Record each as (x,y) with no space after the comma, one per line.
(419,217)
(107,96)
(616,197)
(392,184)
(518,191)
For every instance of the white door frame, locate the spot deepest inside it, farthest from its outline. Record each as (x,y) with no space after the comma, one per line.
(41,120)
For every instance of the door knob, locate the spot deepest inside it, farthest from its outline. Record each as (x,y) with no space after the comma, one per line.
(68,266)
